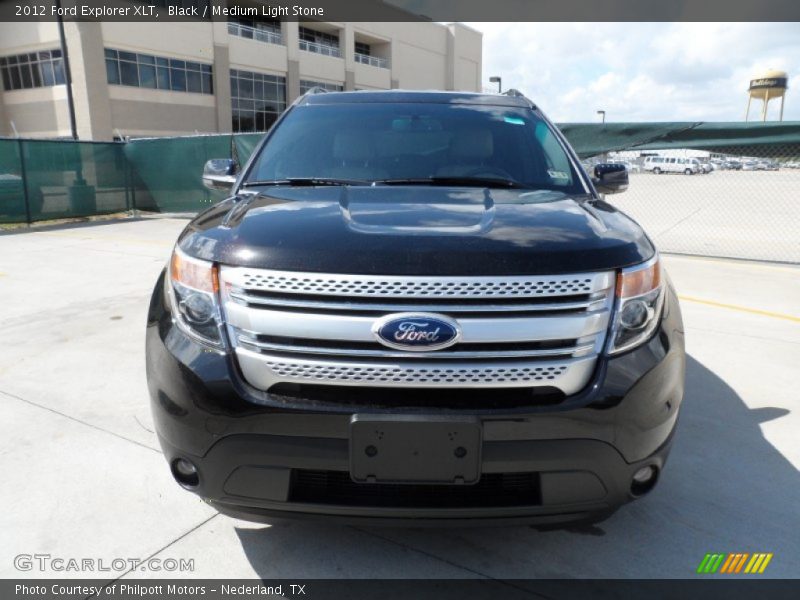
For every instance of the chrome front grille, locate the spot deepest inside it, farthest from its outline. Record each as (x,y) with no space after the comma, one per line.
(515,331)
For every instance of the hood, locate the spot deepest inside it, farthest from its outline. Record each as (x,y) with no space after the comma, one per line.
(418,230)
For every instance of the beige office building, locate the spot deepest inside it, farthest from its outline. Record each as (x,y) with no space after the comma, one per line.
(161,79)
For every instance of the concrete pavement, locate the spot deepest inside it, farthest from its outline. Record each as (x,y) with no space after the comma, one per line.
(83,475)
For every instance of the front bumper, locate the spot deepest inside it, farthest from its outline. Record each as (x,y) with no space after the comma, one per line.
(260,456)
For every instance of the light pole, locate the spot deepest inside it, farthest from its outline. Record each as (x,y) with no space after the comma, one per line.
(602,113)
(498,81)
(67,71)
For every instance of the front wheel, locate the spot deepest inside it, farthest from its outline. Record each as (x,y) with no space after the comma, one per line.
(688,172)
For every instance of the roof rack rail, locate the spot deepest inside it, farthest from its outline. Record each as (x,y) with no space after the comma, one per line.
(310,92)
(514,93)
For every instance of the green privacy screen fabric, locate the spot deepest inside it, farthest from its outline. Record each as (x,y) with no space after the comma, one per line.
(754,139)
(169,171)
(12,191)
(41,179)
(245,145)
(44,180)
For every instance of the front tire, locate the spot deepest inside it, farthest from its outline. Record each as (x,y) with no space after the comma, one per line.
(657,171)
(688,172)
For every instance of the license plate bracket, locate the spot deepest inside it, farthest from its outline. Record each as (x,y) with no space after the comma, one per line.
(415,449)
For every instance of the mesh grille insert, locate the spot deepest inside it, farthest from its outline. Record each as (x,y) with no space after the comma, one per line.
(419,288)
(414,375)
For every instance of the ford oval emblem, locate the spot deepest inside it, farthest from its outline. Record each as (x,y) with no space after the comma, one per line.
(416,332)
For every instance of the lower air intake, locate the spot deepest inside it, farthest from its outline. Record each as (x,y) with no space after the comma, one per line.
(492,490)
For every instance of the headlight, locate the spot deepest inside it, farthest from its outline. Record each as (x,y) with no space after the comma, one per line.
(640,294)
(194,298)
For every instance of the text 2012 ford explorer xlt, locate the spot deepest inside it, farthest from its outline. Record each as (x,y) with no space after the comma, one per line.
(415,307)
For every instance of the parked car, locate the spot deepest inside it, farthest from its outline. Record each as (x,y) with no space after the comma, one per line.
(706,167)
(663,164)
(750,165)
(415,307)
(734,165)
(718,164)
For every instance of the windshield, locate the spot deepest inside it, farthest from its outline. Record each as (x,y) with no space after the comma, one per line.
(414,143)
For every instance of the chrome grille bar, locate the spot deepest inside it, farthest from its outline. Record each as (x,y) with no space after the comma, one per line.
(359,328)
(267,347)
(244,297)
(318,328)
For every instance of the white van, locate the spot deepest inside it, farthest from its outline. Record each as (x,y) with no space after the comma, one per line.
(662,164)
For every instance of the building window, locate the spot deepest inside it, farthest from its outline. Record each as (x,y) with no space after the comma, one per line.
(319,42)
(362,48)
(268,32)
(37,69)
(158,73)
(307,84)
(256,100)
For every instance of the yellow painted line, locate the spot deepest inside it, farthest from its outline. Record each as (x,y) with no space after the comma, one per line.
(754,311)
(746,264)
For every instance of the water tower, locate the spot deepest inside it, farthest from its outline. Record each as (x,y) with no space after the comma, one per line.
(770,85)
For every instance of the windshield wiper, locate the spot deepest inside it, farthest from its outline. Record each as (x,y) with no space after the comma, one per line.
(307,182)
(456,181)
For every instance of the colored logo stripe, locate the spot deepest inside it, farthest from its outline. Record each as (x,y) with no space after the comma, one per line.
(734,562)
(758,563)
(710,563)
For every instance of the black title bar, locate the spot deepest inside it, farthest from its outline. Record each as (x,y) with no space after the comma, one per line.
(406,10)
(707,587)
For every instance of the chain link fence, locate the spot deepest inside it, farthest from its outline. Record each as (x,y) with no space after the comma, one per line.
(739,204)
(711,189)
(740,200)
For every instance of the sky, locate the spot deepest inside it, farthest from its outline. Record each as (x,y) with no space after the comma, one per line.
(642,71)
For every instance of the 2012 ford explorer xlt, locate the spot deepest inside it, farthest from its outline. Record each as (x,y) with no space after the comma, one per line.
(415,307)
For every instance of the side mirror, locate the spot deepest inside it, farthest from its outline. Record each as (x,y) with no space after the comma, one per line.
(610,178)
(220,174)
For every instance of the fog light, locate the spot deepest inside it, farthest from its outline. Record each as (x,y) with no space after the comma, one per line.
(185,472)
(644,474)
(644,480)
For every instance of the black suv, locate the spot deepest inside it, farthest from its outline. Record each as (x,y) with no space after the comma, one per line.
(415,306)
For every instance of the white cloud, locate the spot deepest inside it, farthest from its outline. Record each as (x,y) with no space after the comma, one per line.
(642,71)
